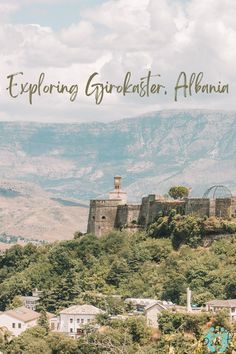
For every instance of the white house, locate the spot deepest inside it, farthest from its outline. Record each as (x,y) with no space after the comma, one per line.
(18,320)
(30,302)
(153,311)
(72,321)
(217,305)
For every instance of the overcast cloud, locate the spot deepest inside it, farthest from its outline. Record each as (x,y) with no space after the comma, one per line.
(111,38)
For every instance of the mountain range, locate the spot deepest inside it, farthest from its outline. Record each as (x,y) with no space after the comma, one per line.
(72,163)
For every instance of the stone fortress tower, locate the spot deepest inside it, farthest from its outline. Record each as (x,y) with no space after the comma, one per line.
(106,215)
(103,212)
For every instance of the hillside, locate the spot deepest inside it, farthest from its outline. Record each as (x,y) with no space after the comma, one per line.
(152,152)
(91,270)
(29,212)
(158,264)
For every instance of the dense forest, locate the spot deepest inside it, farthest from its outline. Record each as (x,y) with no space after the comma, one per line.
(158,263)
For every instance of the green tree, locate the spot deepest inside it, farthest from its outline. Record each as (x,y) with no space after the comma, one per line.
(32,341)
(222,319)
(43,321)
(138,330)
(187,231)
(230,288)
(113,340)
(78,235)
(62,344)
(119,270)
(174,286)
(5,337)
(178,192)
(17,301)
(89,245)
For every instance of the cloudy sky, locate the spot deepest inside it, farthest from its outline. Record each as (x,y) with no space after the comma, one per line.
(69,40)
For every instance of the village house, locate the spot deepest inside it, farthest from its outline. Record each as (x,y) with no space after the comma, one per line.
(153,311)
(73,320)
(150,308)
(32,301)
(217,305)
(20,319)
(139,304)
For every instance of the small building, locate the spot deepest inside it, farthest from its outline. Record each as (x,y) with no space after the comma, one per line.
(217,305)
(18,320)
(54,323)
(139,304)
(153,311)
(151,308)
(30,302)
(73,320)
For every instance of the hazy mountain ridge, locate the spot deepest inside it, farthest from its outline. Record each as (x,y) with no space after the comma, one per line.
(152,152)
(28,211)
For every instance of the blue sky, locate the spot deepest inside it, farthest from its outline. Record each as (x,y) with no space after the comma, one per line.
(58,15)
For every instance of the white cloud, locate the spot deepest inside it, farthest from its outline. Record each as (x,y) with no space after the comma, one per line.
(119,36)
(80,34)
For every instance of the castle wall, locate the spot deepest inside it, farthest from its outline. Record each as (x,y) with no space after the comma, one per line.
(163,207)
(107,215)
(127,215)
(144,210)
(152,207)
(223,207)
(198,206)
(102,216)
(233,207)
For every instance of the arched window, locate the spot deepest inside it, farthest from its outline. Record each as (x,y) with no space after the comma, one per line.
(103,218)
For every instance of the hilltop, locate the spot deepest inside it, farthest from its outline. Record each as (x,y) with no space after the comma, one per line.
(68,164)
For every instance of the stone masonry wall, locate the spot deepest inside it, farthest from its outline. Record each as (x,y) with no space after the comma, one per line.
(107,215)
(127,214)
(198,206)
(102,216)
(233,206)
(158,207)
(223,207)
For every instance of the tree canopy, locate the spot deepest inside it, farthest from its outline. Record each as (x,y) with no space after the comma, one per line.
(158,263)
(178,192)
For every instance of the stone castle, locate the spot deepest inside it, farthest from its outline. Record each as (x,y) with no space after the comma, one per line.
(115,212)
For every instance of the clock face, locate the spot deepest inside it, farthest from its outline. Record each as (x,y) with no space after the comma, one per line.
(217,339)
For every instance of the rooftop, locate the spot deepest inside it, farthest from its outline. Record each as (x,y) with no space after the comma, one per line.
(81,310)
(140,301)
(23,314)
(30,298)
(223,303)
(162,304)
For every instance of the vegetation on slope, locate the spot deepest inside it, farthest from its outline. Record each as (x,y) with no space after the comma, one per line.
(159,263)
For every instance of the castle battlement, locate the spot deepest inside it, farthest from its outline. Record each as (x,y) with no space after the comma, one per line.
(106,215)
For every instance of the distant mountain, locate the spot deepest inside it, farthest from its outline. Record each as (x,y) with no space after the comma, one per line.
(196,148)
(29,212)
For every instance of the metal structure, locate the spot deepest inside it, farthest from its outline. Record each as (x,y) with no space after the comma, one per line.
(217,191)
